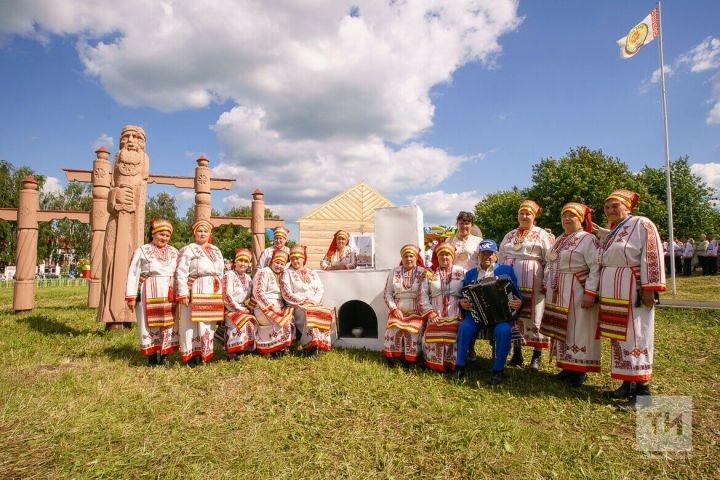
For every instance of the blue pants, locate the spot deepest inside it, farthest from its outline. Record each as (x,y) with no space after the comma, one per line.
(468,330)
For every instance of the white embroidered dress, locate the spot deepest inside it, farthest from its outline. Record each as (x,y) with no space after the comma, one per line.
(525,252)
(466,251)
(631,259)
(440,337)
(276,329)
(240,323)
(571,270)
(304,290)
(152,269)
(403,291)
(199,277)
(347,257)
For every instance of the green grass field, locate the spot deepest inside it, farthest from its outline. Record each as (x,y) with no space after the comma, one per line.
(79,403)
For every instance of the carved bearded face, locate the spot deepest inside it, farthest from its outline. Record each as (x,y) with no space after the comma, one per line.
(131,153)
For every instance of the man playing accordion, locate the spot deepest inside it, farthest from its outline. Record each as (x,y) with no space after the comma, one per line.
(469,328)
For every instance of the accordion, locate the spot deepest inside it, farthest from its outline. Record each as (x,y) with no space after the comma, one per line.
(489,300)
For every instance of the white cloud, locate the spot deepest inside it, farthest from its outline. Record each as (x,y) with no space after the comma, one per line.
(708,172)
(104,140)
(51,185)
(322,98)
(186,195)
(704,56)
(442,207)
(655,78)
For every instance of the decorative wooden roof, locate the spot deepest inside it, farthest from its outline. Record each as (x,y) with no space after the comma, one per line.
(357,203)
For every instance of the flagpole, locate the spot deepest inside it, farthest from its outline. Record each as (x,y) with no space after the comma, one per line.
(668,188)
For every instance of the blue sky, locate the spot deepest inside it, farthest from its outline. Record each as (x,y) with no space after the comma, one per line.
(430,102)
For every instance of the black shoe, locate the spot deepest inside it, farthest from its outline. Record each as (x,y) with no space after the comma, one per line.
(192,363)
(517,357)
(313,352)
(152,360)
(562,376)
(496,378)
(458,373)
(626,390)
(641,390)
(163,361)
(388,362)
(535,362)
(577,379)
(231,356)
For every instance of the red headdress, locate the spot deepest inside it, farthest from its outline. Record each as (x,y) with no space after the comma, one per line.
(582,212)
(626,197)
(333,245)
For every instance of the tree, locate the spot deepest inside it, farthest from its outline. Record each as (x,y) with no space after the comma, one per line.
(10,184)
(693,212)
(66,235)
(496,214)
(586,176)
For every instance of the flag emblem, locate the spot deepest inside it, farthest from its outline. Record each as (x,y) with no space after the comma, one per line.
(636,38)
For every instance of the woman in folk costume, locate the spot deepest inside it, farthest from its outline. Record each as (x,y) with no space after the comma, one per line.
(279,241)
(302,288)
(240,323)
(199,277)
(572,274)
(464,242)
(152,270)
(408,307)
(631,272)
(442,288)
(525,249)
(340,256)
(276,330)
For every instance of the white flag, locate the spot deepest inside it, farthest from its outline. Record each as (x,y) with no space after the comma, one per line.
(641,34)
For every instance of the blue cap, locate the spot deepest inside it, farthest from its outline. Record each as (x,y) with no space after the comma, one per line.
(487,246)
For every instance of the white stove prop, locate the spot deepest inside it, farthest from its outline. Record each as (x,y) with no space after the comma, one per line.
(357,295)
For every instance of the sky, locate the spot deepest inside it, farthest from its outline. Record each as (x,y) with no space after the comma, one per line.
(430,102)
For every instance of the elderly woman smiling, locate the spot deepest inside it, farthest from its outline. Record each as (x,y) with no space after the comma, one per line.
(340,256)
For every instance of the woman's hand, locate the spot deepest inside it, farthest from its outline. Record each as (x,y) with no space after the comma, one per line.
(515,303)
(131,304)
(648,298)
(184,301)
(587,301)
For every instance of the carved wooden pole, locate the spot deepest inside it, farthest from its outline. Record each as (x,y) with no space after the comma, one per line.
(27,239)
(203,209)
(98,221)
(257,225)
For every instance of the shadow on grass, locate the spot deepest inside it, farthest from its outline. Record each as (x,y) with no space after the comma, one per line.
(49,326)
(518,381)
(126,353)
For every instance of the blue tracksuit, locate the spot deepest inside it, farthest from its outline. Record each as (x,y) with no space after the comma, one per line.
(468,329)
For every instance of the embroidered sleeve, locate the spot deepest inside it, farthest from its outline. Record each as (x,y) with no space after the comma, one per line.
(389,290)
(325,263)
(286,287)
(424,295)
(134,275)
(259,287)
(181,273)
(230,294)
(319,287)
(590,246)
(652,268)
(501,249)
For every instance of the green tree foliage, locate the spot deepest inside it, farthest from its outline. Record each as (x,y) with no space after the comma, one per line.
(693,213)
(589,176)
(10,184)
(586,176)
(66,236)
(496,214)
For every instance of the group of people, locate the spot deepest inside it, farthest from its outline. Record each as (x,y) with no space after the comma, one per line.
(180,297)
(688,254)
(567,293)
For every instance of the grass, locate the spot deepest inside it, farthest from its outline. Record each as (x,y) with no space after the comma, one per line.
(697,287)
(79,403)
